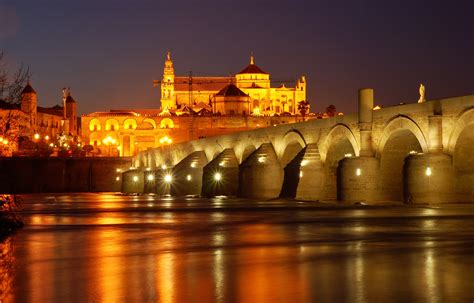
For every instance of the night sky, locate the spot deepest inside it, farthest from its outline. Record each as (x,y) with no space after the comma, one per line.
(109,51)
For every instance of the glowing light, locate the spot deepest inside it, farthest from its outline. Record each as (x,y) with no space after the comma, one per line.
(358,172)
(413,152)
(132,168)
(46,138)
(51,144)
(168,178)
(348,155)
(118,170)
(377,107)
(217,176)
(150,177)
(37,136)
(221,164)
(166,140)
(428,171)
(261,159)
(188,177)
(148,169)
(301,174)
(304,162)
(164,166)
(117,179)
(5,141)
(135,178)
(193,165)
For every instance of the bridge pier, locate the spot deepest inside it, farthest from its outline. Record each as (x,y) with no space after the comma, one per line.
(358,179)
(186,176)
(133,181)
(221,175)
(310,185)
(261,175)
(429,178)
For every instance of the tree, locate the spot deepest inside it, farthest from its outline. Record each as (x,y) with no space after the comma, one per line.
(331,111)
(303,107)
(11,86)
(12,120)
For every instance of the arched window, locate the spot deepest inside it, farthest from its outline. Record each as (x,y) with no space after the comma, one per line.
(167,123)
(94,125)
(111,124)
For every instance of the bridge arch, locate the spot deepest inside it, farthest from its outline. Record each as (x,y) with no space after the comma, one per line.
(461,147)
(462,121)
(245,152)
(339,133)
(293,142)
(400,123)
(339,142)
(400,136)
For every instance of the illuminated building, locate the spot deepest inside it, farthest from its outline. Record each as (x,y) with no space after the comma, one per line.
(220,105)
(28,120)
(252,81)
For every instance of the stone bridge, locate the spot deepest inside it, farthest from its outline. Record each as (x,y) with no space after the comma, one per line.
(416,153)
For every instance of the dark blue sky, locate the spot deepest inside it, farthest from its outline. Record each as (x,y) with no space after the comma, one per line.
(108,51)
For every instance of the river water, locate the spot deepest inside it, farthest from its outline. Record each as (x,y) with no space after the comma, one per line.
(112,248)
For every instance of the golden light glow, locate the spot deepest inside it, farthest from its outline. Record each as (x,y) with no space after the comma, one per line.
(164,166)
(428,171)
(37,136)
(150,177)
(358,172)
(168,178)
(135,178)
(217,177)
(46,137)
(166,140)
(117,179)
(188,177)
(301,174)
(261,159)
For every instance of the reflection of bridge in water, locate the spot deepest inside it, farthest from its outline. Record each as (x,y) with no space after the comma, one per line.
(417,153)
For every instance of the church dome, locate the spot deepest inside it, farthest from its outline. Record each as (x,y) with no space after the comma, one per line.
(231,91)
(252,68)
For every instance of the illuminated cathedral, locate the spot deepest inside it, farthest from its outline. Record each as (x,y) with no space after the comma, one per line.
(247,92)
(193,108)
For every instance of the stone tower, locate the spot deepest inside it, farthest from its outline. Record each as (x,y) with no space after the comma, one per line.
(167,85)
(71,113)
(29,103)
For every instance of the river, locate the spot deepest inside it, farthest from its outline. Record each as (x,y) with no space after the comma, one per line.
(113,248)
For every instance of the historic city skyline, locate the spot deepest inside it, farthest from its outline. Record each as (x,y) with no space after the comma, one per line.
(110,60)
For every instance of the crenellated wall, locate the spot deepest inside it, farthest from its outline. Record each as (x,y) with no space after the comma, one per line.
(303,160)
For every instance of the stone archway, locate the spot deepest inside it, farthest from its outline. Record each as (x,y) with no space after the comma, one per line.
(461,147)
(339,143)
(291,163)
(400,137)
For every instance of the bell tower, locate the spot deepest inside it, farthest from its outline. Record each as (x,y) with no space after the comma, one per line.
(167,85)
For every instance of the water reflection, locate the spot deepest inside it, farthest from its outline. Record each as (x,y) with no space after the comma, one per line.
(7,267)
(237,256)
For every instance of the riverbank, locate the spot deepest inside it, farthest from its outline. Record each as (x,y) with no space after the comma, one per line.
(10,220)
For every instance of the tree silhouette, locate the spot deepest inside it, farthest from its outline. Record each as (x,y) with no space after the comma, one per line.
(303,107)
(331,110)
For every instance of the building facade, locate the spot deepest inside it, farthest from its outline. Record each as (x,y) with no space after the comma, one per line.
(195,108)
(178,91)
(27,120)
